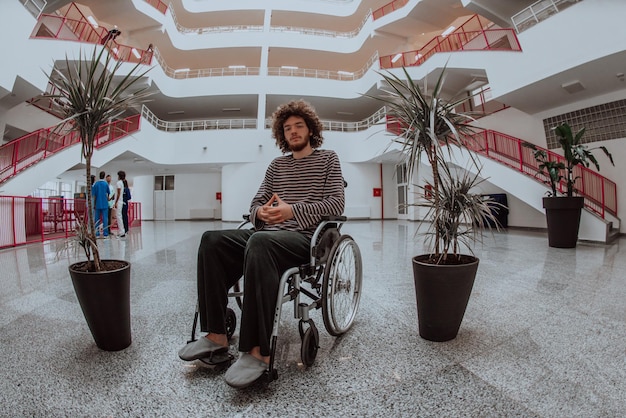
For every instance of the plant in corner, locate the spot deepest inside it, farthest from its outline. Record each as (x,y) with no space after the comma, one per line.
(91,94)
(563,212)
(428,125)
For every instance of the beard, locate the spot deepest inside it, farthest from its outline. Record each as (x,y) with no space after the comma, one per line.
(299,146)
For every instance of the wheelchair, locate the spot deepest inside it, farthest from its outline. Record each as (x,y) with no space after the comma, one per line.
(330,281)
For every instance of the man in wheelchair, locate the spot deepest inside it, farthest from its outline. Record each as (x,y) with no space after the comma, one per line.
(299,188)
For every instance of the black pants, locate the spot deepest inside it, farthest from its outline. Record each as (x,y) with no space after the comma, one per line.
(261,257)
(125,216)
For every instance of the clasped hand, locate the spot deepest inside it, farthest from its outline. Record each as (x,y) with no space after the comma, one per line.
(275,211)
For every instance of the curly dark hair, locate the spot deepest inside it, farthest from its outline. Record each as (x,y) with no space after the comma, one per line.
(306,112)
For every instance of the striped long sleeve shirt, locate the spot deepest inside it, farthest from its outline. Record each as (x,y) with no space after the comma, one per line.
(312,185)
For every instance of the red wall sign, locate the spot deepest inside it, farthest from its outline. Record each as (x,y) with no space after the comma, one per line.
(378,192)
(218,196)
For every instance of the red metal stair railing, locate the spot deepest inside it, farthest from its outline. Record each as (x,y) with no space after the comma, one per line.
(74,26)
(28,150)
(158,4)
(599,192)
(388,8)
(470,36)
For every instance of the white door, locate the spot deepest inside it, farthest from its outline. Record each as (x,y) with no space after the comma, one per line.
(164,198)
(402,186)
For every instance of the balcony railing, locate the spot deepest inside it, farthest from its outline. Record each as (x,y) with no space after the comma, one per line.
(539,11)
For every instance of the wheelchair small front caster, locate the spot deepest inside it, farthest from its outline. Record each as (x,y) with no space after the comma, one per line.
(270,375)
(310,344)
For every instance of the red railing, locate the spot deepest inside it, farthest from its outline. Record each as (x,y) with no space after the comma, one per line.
(599,192)
(26,220)
(74,26)
(158,4)
(25,151)
(468,37)
(388,8)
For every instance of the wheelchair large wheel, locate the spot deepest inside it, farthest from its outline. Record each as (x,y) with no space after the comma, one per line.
(341,288)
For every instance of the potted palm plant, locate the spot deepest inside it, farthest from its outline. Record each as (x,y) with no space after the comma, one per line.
(89,95)
(563,212)
(429,126)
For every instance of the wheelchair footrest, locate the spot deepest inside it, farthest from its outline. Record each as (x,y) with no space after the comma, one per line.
(218,360)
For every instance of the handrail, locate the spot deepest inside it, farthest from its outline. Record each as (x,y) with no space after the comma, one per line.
(213,29)
(388,8)
(460,39)
(158,4)
(196,125)
(212,124)
(599,192)
(320,32)
(29,149)
(79,29)
(324,74)
(183,73)
(35,7)
(537,12)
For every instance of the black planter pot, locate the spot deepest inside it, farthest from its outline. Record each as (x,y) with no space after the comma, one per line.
(442,293)
(104,298)
(563,220)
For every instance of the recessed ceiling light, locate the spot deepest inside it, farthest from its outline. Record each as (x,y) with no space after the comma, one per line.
(448,31)
(345,113)
(345,72)
(92,21)
(181,70)
(396,58)
(236,66)
(231,109)
(176,112)
(289,67)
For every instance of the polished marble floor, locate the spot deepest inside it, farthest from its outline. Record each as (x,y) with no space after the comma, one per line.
(544,335)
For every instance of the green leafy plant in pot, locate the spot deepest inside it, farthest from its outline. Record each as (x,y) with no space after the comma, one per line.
(563,212)
(89,95)
(429,125)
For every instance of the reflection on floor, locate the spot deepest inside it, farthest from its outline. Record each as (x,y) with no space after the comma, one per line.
(544,335)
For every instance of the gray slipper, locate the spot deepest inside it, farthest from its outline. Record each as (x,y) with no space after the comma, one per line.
(245,371)
(201,348)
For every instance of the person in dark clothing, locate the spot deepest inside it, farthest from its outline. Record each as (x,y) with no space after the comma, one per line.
(298,189)
(126,199)
(111,35)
